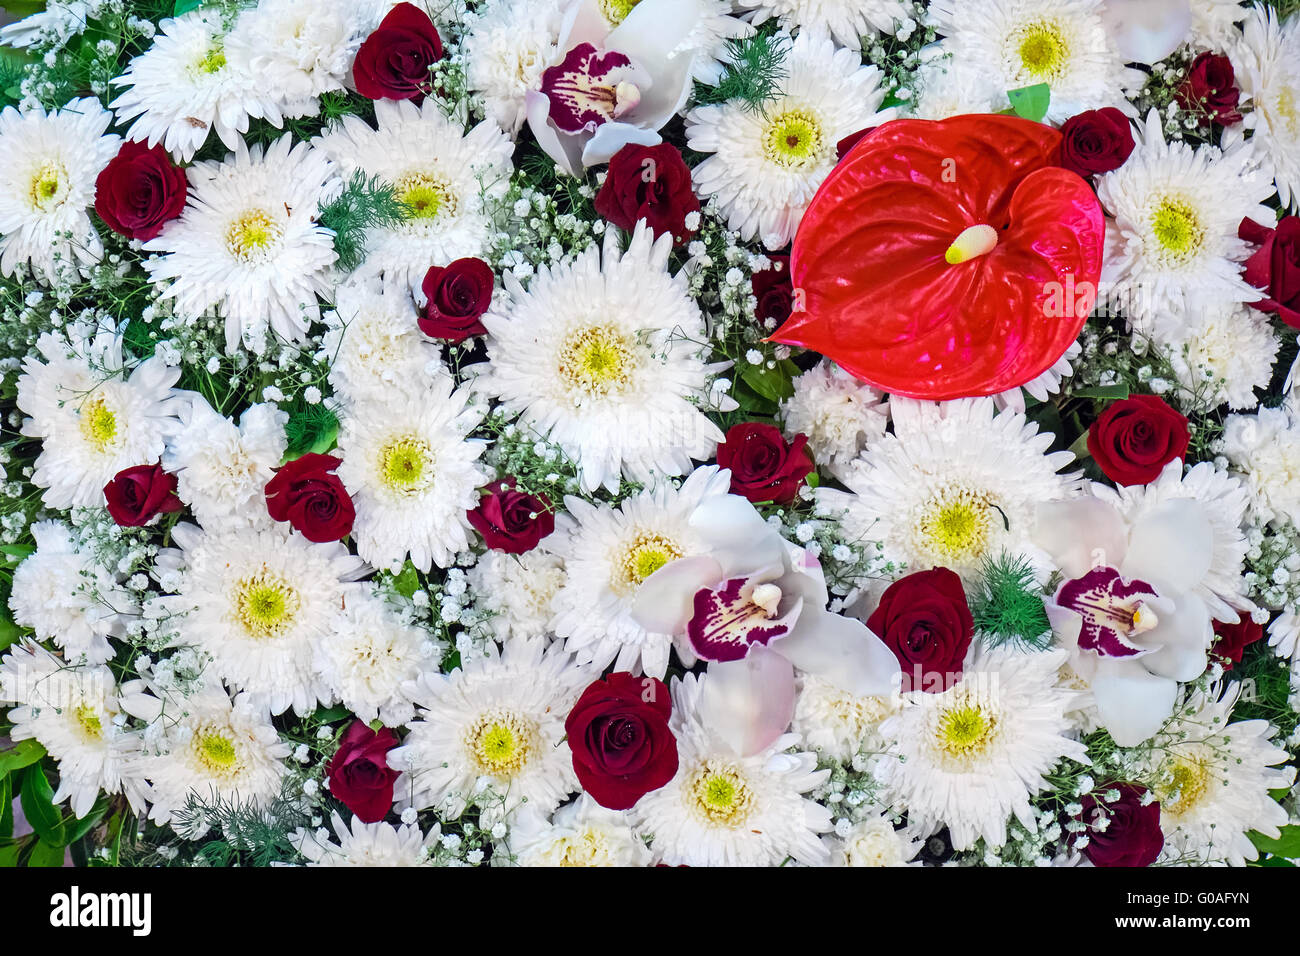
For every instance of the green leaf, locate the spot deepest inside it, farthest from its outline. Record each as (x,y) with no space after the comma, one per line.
(46,854)
(1117,392)
(185,6)
(83,825)
(22,8)
(813,479)
(6,807)
(1031,102)
(408,582)
(1080,447)
(15,553)
(38,806)
(774,384)
(327,715)
(22,754)
(9,631)
(1288,845)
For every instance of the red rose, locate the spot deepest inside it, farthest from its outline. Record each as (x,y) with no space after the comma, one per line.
(510,520)
(763,467)
(1210,89)
(650,183)
(1096,141)
(774,292)
(1132,837)
(1232,639)
(926,622)
(359,774)
(313,501)
(458,294)
(393,62)
(136,494)
(1135,438)
(140,191)
(1275,267)
(618,732)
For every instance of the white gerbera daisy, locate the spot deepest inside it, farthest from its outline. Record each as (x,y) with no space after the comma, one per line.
(1174,238)
(603,356)
(581,834)
(973,755)
(220,750)
(260,602)
(725,810)
(374,345)
(836,723)
(248,243)
(1266,57)
(185,85)
(1020,43)
(1045,385)
(75,713)
(366,844)
(875,842)
(840,414)
(608,552)
(370,653)
(847,21)
(222,469)
(1265,448)
(955,483)
(47,186)
(1212,779)
(413,475)
(508,46)
(766,165)
(496,721)
(518,591)
(94,415)
(445,177)
(69,598)
(1227,353)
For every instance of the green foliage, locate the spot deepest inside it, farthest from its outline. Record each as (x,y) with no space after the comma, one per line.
(248,835)
(1286,846)
(754,74)
(1009,605)
(365,203)
(311,428)
(22,754)
(1031,102)
(1266,690)
(39,809)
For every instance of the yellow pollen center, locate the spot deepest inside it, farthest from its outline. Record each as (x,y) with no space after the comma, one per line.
(88,720)
(647,553)
(215,751)
(1177,228)
(49,187)
(1190,780)
(251,237)
(404,464)
(501,743)
(1285,107)
(98,423)
(1042,49)
(425,196)
(793,139)
(214,61)
(964,730)
(266,605)
(616,11)
(956,526)
(596,361)
(720,794)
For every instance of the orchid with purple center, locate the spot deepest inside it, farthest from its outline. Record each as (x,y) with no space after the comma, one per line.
(1113,610)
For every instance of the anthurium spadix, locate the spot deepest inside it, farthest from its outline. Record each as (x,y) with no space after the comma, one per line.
(754,606)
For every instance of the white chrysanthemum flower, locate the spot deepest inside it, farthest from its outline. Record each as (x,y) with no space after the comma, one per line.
(1284,638)
(496,721)
(1226,354)
(260,602)
(248,243)
(766,165)
(222,468)
(93,415)
(581,834)
(370,652)
(1019,43)
(973,755)
(604,357)
(840,414)
(374,345)
(444,175)
(413,475)
(1265,447)
(47,186)
(725,810)
(836,723)
(942,87)
(518,591)
(55,24)
(75,713)
(508,46)
(847,21)
(955,483)
(1266,58)
(1043,386)
(1212,779)
(366,844)
(608,552)
(68,597)
(875,842)
(1214,24)
(219,750)
(1174,239)
(184,85)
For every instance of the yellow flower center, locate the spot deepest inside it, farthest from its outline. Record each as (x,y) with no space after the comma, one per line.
(1043,50)
(501,742)
(1189,781)
(793,139)
(49,187)
(616,11)
(596,361)
(720,794)
(1177,228)
(214,61)
(215,752)
(956,526)
(98,423)
(405,464)
(88,720)
(425,196)
(646,554)
(964,730)
(266,605)
(252,237)
(1285,107)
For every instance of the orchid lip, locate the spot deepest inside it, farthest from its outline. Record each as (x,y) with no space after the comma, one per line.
(1114,611)
(739,613)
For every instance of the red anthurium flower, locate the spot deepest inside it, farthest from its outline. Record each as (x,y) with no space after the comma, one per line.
(946,259)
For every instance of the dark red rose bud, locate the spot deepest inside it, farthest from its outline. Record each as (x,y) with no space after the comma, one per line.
(774,292)
(1132,834)
(136,494)
(458,294)
(845,146)
(510,520)
(1135,438)
(622,746)
(1096,141)
(140,191)
(359,774)
(651,183)
(1275,267)
(393,62)
(763,467)
(313,501)
(1231,640)
(1210,90)
(925,620)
